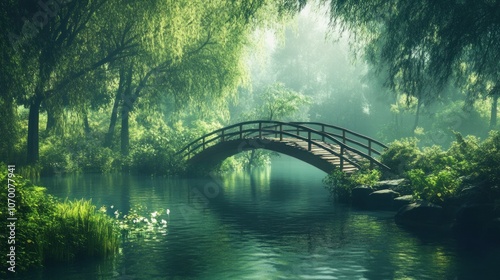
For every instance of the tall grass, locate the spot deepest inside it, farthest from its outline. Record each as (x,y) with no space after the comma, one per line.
(80,231)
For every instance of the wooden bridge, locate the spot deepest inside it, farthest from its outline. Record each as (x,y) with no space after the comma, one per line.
(324,146)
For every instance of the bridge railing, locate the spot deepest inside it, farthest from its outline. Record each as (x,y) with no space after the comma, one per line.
(345,139)
(349,137)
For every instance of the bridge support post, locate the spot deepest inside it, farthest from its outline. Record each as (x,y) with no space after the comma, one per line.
(370,148)
(260,130)
(308,140)
(281,132)
(241,131)
(342,158)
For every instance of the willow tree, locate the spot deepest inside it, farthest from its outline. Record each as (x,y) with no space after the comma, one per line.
(190,50)
(424,44)
(52,40)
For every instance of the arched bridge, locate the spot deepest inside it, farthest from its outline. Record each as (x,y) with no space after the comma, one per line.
(324,146)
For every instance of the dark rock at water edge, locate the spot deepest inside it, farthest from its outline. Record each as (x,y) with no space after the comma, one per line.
(382,199)
(478,221)
(391,184)
(402,201)
(359,196)
(422,215)
(492,232)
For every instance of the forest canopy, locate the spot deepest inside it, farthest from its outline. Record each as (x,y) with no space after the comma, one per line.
(96,85)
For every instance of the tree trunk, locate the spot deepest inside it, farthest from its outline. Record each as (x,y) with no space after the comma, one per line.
(417,115)
(124,135)
(86,125)
(251,160)
(494,111)
(108,140)
(33,131)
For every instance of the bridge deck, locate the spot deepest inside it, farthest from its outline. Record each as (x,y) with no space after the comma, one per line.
(322,153)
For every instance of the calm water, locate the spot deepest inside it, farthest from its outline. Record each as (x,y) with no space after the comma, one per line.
(275,223)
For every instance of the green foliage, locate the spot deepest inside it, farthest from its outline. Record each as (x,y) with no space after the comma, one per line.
(71,154)
(434,158)
(280,102)
(33,211)
(366,177)
(277,102)
(401,155)
(435,187)
(339,184)
(78,230)
(50,230)
(487,159)
(435,174)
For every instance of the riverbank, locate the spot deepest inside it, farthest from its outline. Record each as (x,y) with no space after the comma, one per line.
(472,216)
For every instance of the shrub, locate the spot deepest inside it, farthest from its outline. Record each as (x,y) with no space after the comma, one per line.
(435,187)
(50,230)
(339,185)
(76,155)
(366,177)
(487,159)
(401,155)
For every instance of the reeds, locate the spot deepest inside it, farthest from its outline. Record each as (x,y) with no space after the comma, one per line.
(80,231)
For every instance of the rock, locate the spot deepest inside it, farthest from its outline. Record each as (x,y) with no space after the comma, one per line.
(421,215)
(472,220)
(360,196)
(402,201)
(390,184)
(492,232)
(382,199)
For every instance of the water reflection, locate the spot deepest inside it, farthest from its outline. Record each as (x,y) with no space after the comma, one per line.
(275,223)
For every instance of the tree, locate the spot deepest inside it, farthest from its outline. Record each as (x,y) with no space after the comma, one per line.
(425,42)
(57,46)
(188,49)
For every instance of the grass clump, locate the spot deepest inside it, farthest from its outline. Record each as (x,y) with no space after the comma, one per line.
(80,231)
(50,230)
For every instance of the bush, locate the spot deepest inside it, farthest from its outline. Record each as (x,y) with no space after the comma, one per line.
(366,177)
(401,155)
(340,184)
(435,187)
(50,230)
(74,155)
(434,158)
(487,159)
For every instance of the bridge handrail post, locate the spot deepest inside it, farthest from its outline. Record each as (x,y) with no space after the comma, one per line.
(342,158)
(343,136)
(222,135)
(260,130)
(309,140)
(369,147)
(203,143)
(323,132)
(281,132)
(241,131)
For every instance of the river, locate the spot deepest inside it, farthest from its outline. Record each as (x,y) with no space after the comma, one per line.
(273,223)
